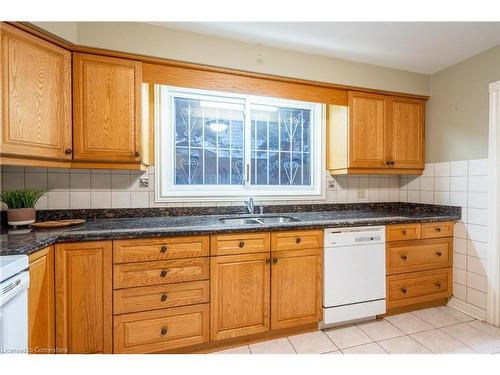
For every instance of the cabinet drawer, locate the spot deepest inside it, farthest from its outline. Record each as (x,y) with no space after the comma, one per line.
(417,287)
(399,232)
(142,250)
(240,243)
(161,330)
(160,272)
(158,297)
(435,230)
(419,255)
(296,240)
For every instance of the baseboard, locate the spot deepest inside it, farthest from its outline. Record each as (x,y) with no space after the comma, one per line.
(467,308)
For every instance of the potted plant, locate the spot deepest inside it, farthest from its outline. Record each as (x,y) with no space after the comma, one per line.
(21,206)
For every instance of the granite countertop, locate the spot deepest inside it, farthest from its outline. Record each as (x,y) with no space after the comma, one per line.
(30,240)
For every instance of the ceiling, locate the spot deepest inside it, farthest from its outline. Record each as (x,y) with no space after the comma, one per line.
(423,47)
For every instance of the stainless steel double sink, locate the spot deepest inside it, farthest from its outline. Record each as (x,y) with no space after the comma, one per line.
(258,220)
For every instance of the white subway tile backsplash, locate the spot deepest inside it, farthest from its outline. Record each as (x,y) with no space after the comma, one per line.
(477,200)
(478,184)
(477,216)
(120,182)
(459,291)
(476,298)
(79,199)
(100,199)
(476,265)
(120,199)
(414,196)
(458,198)
(458,183)
(478,167)
(460,245)
(460,276)
(58,200)
(428,170)
(427,197)
(100,181)
(37,181)
(139,199)
(58,181)
(477,282)
(458,168)
(413,183)
(442,169)
(13,181)
(460,261)
(477,232)
(442,197)
(477,249)
(427,183)
(79,182)
(460,230)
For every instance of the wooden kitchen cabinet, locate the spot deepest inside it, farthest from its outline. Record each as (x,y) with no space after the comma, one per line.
(107,111)
(377,134)
(239,295)
(84,316)
(41,312)
(296,288)
(36,126)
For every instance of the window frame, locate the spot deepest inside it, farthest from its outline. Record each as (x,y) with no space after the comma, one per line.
(167,191)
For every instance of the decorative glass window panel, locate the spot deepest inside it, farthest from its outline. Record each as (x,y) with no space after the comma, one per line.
(213,145)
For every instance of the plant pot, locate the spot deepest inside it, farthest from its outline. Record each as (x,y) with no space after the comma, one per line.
(21,216)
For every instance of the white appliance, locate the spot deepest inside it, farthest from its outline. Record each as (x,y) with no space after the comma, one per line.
(354,274)
(14,283)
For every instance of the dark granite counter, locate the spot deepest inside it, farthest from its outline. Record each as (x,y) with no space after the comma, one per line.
(28,241)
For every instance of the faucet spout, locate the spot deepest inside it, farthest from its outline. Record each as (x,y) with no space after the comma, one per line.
(249,205)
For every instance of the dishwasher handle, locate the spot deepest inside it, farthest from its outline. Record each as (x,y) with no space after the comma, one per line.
(13,286)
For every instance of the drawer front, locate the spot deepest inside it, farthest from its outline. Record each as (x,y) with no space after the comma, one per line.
(240,243)
(296,240)
(142,250)
(436,230)
(419,255)
(417,287)
(161,330)
(158,297)
(400,232)
(160,272)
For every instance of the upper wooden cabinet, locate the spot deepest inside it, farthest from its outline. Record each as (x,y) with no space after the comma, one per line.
(107,109)
(376,134)
(35,98)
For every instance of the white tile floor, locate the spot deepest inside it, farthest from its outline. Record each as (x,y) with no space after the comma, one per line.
(435,330)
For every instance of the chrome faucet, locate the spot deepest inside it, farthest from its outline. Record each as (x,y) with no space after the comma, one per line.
(249,205)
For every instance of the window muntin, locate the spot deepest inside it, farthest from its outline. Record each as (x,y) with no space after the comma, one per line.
(213,145)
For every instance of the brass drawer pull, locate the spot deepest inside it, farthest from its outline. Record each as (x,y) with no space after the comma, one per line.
(163,273)
(275,260)
(404,232)
(404,257)
(163,249)
(163,297)
(268,261)
(163,331)
(438,229)
(298,240)
(241,244)
(403,290)
(438,253)
(438,284)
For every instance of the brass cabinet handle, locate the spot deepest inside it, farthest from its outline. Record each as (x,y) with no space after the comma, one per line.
(268,261)
(403,290)
(387,163)
(68,151)
(163,248)
(163,331)
(392,162)
(438,284)
(163,273)
(437,229)
(298,240)
(241,244)
(137,154)
(275,260)
(404,257)
(404,232)
(163,297)
(438,253)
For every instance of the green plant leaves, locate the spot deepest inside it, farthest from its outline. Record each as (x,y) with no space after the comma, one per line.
(26,198)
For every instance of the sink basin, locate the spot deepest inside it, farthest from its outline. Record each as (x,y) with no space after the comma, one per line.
(237,221)
(258,220)
(277,219)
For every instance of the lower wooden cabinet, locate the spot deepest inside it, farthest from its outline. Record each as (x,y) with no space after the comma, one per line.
(296,288)
(161,330)
(41,315)
(239,295)
(84,297)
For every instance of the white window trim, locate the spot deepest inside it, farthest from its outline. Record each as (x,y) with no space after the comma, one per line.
(166,191)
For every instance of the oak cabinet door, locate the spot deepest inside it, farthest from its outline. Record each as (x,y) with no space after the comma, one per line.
(36,97)
(368,116)
(41,313)
(239,295)
(84,315)
(296,288)
(107,96)
(407,133)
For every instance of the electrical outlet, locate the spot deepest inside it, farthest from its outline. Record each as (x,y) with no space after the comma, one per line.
(361,193)
(331,184)
(144,182)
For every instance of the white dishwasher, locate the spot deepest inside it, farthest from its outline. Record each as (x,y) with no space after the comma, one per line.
(354,274)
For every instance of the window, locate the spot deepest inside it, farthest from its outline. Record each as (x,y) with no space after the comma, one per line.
(213,145)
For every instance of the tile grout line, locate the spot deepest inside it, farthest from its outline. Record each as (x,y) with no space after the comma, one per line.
(293,347)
